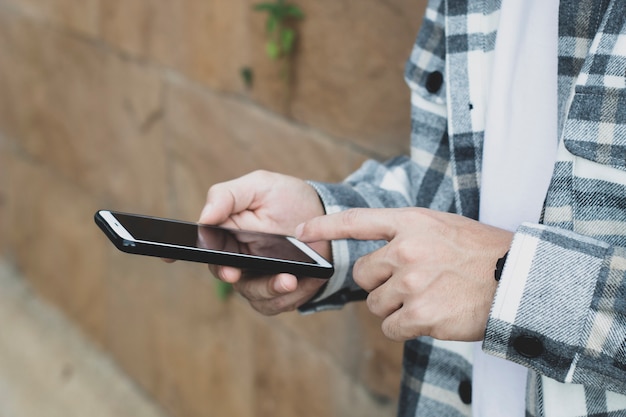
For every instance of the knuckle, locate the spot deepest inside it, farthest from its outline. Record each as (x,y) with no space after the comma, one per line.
(261,174)
(261,307)
(361,276)
(212,192)
(350,217)
(421,317)
(215,189)
(410,284)
(271,307)
(413,215)
(404,253)
(279,305)
(241,288)
(248,290)
(391,330)
(373,302)
(416,312)
(428,218)
(357,272)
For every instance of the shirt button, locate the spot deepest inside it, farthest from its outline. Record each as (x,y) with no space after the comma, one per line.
(434,81)
(528,346)
(465,392)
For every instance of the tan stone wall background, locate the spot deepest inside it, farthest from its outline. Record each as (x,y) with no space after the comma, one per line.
(140,106)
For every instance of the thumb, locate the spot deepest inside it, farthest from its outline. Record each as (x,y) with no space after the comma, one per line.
(219,206)
(228,198)
(213,214)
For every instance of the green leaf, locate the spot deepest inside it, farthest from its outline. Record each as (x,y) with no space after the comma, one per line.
(272,23)
(287,38)
(282,39)
(273,50)
(294,11)
(265,7)
(248,76)
(223,290)
(279,13)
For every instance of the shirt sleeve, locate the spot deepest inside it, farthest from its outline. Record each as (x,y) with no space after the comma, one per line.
(570,327)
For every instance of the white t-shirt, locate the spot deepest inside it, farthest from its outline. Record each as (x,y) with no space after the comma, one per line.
(518,160)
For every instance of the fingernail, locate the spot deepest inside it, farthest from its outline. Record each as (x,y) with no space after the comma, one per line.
(299,230)
(229,274)
(284,285)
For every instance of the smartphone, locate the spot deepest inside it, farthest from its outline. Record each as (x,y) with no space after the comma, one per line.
(174,239)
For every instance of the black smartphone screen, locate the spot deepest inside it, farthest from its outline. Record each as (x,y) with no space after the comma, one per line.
(212,238)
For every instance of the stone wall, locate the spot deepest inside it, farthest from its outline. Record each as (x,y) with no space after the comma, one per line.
(140,106)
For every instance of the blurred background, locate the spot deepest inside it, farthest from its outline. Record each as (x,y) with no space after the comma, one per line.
(141,105)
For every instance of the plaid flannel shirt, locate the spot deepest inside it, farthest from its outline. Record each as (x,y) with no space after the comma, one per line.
(560,308)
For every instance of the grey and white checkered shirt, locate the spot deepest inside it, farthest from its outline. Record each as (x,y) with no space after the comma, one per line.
(560,308)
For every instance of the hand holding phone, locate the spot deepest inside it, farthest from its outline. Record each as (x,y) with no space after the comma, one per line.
(263,200)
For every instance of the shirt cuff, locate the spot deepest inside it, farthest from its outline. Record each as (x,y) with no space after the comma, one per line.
(339,289)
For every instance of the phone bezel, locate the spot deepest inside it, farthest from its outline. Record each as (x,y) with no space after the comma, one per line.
(126,242)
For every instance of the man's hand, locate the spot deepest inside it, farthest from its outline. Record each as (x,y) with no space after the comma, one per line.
(434,277)
(266,202)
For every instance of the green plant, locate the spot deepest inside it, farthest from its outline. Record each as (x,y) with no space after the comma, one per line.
(247,75)
(281,36)
(223,290)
